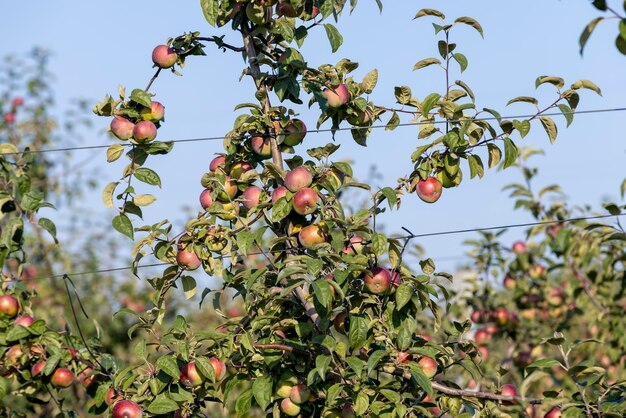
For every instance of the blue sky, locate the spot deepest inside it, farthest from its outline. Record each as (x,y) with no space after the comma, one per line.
(98,45)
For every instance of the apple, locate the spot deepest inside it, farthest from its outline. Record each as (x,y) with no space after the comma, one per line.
(536,271)
(289,408)
(240,167)
(205,199)
(188,259)
(403,357)
(348,411)
(286,9)
(311,235)
(164,57)
(111,397)
(122,128)
(482,336)
(37,368)
(360,117)
(428,365)
(280,191)
(555,297)
(305,201)
(17,102)
(295,131)
(262,147)
(157,112)
(127,409)
(251,197)
(9,305)
(396,278)
(508,282)
(354,246)
(519,247)
(144,132)
(14,354)
(501,316)
(227,190)
(478,316)
(377,282)
(284,385)
(219,366)
(299,394)
(428,190)
(189,375)
(484,352)
(62,377)
(340,322)
(508,390)
(337,96)
(298,178)
(217,162)
(215,240)
(25,321)
(9,118)
(555,412)
(228,211)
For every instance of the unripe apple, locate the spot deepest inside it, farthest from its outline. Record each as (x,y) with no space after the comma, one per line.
(261,146)
(216,163)
(305,201)
(189,375)
(508,282)
(37,368)
(536,271)
(298,178)
(240,167)
(227,190)
(215,239)
(289,408)
(354,246)
(9,305)
(377,282)
(280,191)
(251,197)
(228,211)
(311,235)
(429,190)
(157,112)
(127,409)
(299,394)
(337,96)
(144,132)
(519,247)
(294,132)
(14,354)
(219,367)
(188,259)
(205,199)
(555,412)
(428,365)
(122,128)
(17,102)
(164,57)
(284,385)
(62,377)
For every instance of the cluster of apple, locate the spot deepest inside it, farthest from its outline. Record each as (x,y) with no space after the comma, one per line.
(260,12)
(9,117)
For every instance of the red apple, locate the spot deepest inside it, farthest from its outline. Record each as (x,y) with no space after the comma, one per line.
(261,146)
(295,131)
(298,178)
(17,102)
(482,337)
(478,316)
(311,235)
(305,201)
(508,390)
(428,365)
(189,375)
(122,128)
(188,259)
(14,354)
(62,377)
(157,112)
(337,96)
(508,282)
(251,197)
(280,191)
(354,246)
(205,199)
(555,297)
(377,282)
(429,190)
(519,247)
(216,163)
(289,408)
(164,57)
(501,316)
(286,9)
(284,385)
(111,397)
(9,118)
(299,394)
(144,132)
(37,368)
(9,305)
(403,357)
(240,167)
(555,412)
(219,367)
(127,409)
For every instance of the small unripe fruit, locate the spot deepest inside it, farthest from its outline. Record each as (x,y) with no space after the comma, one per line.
(311,235)
(429,190)
(239,168)
(295,131)
(164,57)
(227,190)
(217,162)
(122,128)
(62,377)
(289,408)
(299,394)
(9,305)
(298,178)
(261,146)
(377,282)
(337,96)
(25,321)
(188,259)
(251,197)
(280,191)
(127,409)
(189,375)
(428,365)
(205,199)
(305,201)
(144,132)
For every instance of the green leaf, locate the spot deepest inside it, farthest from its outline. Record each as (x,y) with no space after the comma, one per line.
(475,166)
(599,4)
(543,363)
(461,59)
(510,152)
(556,81)
(189,286)
(322,293)
(470,22)
(262,390)
(420,378)
(148,176)
(466,88)
(141,97)
(143,199)
(361,404)
(567,113)
(285,28)
(210,9)
(375,358)
(243,404)
(393,123)
(114,152)
(428,266)
(244,241)
(122,224)
(369,81)
(429,12)
(162,404)
(390,195)
(523,127)
(334,37)
(425,63)
(584,36)
(429,102)
(168,365)
(357,334)
(549,126)
(379,244)
(525,99)
(322,363)
(107,194)
(205,367)
(403,94)
(404,293)
(49,226)
(620,44)
(586,84)
(281,209)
